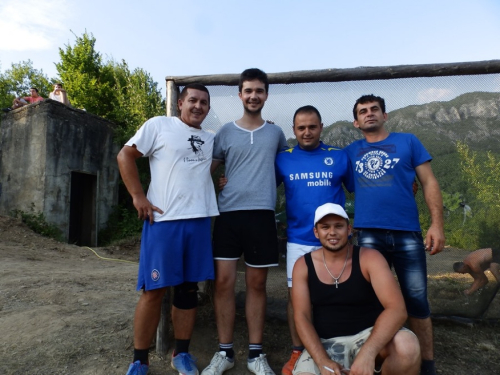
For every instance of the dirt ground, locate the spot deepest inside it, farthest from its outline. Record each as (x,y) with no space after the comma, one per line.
(63,310)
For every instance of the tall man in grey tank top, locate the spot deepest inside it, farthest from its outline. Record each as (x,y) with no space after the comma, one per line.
(248,148)
(348,308)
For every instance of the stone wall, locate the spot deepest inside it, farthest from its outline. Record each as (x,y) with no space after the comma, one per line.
(40,146)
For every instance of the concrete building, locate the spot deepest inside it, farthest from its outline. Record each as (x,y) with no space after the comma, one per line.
(63,161)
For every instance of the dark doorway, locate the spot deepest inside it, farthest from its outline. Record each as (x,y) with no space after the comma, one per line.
(82,215)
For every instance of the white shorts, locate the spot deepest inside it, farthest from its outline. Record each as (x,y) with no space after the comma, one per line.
(293,252)
(342,350)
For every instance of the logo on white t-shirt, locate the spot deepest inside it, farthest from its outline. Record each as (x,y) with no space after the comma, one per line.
(195,145)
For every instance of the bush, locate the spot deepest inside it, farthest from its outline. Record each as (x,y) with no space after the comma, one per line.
(122,223)
(37,223)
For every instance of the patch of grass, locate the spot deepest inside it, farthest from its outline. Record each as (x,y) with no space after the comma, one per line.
(37,222)
(122,223)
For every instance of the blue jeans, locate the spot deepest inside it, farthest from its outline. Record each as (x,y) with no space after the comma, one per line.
(406,252)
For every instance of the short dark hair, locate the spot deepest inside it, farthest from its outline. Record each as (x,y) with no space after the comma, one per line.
(34,88)
(368,99)
(306,109)
(458,267)
(252,74)
(58,83)
(194,86)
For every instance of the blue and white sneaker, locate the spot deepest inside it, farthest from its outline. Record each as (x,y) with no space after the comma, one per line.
(137,368)
(184,363)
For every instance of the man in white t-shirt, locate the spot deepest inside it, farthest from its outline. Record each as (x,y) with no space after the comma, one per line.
(176,247)
(59,94)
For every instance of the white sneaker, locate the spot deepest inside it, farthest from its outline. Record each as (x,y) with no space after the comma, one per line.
(218,364)
(259,366)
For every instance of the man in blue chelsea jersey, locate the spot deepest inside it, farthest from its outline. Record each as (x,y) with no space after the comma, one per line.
(386,214)
(313,174)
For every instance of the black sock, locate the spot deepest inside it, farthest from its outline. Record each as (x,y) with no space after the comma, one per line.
(141,355)
(254,350)
(228,348)
(428,367)
(181,346)
(298,348)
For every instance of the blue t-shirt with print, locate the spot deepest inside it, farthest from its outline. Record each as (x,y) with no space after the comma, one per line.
(383,177)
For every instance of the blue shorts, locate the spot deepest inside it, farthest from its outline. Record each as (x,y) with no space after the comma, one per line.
(406,252)
(173,252)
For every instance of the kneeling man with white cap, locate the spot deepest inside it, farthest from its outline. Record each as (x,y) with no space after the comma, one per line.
(349,310)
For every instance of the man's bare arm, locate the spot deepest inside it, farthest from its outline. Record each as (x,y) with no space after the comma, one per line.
(434,240)
(130,176)
(64,97)
(303,321)
(375,268)
(215,164)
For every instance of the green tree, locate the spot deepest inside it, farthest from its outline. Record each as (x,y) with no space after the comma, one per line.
(108,89)
(89,82)
(137,99)
(18,80)
(482,173)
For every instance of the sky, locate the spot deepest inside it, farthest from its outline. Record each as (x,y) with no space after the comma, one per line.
(179,38)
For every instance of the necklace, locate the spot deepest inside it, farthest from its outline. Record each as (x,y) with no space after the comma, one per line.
(341,272)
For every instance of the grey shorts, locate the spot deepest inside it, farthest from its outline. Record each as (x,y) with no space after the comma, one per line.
(341,349)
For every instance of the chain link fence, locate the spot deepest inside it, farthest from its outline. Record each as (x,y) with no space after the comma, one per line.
(457,119)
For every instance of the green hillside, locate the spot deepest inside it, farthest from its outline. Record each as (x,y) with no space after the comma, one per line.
(472,118)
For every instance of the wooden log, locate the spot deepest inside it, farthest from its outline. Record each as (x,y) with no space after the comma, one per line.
(352,74)
(162,344)
(171,100)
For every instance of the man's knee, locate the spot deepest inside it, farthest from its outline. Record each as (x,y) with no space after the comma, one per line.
(405,346)
(256,279)
(154,295)
(186,296)
(225,274)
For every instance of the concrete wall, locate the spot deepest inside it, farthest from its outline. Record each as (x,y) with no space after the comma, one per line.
(40,146)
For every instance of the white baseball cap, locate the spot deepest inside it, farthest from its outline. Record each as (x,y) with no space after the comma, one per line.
(329,209)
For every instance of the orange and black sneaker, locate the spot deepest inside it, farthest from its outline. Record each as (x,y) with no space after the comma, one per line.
(288,367)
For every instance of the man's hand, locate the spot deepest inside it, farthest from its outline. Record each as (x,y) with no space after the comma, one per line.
(434,240)
(362,365)
(222,181)
(329,367)
(145,209)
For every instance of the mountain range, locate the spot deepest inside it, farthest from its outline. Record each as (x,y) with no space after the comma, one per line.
(473,118)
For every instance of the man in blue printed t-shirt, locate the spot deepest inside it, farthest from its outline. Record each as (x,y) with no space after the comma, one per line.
(313,174)
(386,214)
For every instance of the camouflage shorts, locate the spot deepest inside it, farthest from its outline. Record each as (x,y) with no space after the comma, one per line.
(341,349)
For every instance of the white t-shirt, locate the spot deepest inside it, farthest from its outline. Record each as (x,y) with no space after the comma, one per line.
(179,158)
(56,97)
